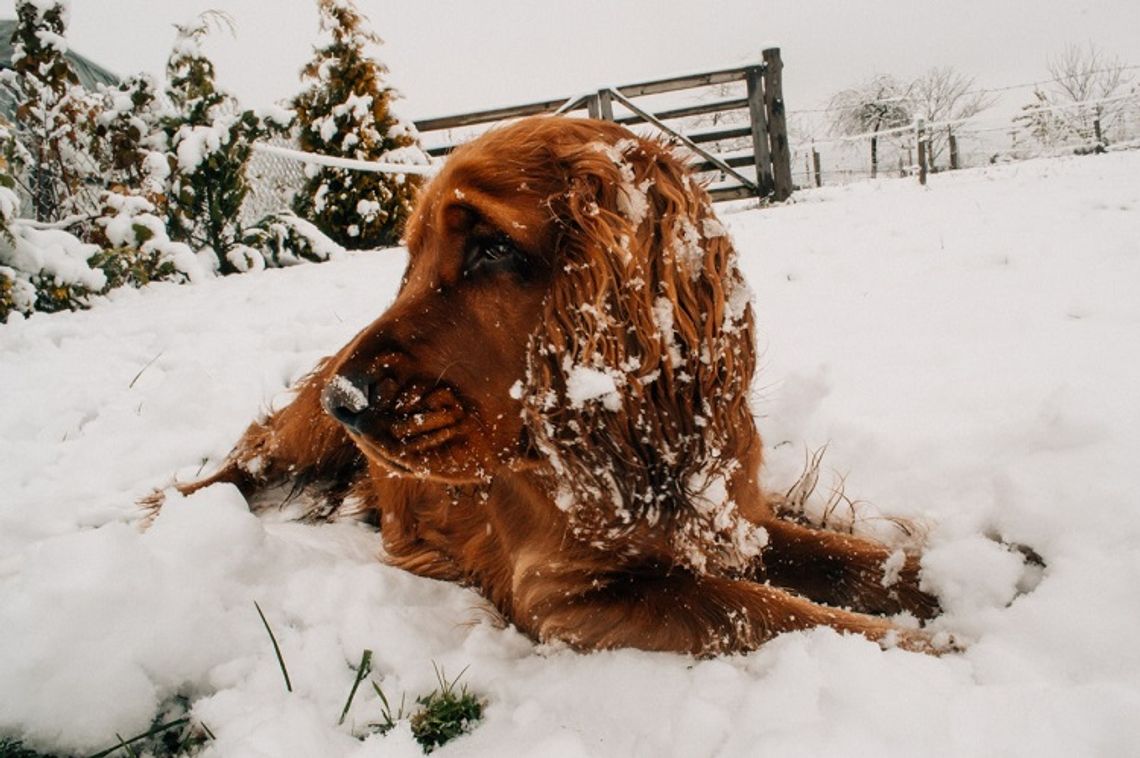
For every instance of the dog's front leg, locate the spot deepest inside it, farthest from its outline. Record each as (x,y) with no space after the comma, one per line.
(679,612)
(299,443)
(844,570)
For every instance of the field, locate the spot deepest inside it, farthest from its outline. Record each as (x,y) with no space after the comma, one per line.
(967,352)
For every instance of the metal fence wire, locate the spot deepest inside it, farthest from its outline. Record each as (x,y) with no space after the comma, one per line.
(273,181)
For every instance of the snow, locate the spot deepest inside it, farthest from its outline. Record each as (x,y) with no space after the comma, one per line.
(195,143)
(584,384)
(52,40)
(275,114)
(367,209)
(663,317)
(348,394)
(9,204)
(633,202)
(966,351)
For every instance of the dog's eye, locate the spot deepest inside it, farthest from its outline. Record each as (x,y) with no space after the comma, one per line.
(496,253)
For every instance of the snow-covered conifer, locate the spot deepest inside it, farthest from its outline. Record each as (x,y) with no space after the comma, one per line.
(345,111)
(210,143)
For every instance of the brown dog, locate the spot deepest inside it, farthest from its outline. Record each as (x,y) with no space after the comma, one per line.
(555,411)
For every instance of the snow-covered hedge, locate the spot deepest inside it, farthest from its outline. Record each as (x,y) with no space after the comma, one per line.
(149,182)
(52,269)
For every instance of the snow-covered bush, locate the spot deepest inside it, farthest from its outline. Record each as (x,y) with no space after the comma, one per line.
(44,269)
(132,144)
(210,143)
(50,155)
(345,111)
(285,239)
(136,249)
(16,292)
(40,269)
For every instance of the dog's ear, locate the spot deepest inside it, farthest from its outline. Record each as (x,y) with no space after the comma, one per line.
(640,371)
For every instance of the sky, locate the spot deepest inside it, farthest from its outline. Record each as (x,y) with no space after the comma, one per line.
(450,57)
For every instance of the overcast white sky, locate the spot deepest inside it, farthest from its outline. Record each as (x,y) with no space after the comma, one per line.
(448,57)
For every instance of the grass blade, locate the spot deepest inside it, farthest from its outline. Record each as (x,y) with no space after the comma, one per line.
(362,671)
(144,368)
(156,730)
(276,647)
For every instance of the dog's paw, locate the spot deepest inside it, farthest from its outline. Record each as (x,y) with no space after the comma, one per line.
(150,505)
(1033,565)
(922,641)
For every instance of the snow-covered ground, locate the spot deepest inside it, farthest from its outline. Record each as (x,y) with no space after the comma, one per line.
(967,351)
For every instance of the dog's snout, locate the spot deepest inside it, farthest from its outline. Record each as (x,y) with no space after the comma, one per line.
(346,398)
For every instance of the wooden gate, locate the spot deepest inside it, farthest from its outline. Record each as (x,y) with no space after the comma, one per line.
(765,167)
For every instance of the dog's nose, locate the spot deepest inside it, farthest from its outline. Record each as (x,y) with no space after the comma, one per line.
(345,398)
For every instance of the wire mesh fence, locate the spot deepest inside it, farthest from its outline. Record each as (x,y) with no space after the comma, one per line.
(274,180)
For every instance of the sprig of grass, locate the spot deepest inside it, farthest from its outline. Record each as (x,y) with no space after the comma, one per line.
(362,671)
(276,648)
(445,713)
(389,720)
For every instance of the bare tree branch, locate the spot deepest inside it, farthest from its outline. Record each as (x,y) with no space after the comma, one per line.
(943,94)
(879,103)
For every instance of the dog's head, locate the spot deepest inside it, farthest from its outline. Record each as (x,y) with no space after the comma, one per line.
(572,304)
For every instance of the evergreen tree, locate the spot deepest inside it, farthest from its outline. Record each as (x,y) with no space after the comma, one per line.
(50,155)
(346,112)
(210,142)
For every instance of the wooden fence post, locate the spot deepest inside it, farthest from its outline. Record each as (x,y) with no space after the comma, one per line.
(606,104)
(777,123)
(950,138)
(815,164)
(920,137)
(753,77)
